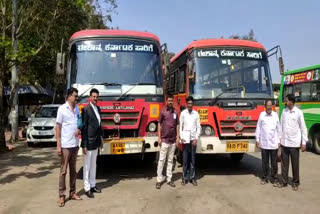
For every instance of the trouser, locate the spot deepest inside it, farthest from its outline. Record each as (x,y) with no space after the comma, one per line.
(68,158)
(167,149)
(271,154)
(293,153)
(189,159)
(89,169)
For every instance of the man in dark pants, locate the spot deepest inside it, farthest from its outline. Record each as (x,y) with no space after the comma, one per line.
(190,130)
(268,135)
(294,137)
(91,140)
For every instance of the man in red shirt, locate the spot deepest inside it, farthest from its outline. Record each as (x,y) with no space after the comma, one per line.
(168,132)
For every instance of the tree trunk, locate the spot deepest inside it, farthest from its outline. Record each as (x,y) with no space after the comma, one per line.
(14,85)
(2,70)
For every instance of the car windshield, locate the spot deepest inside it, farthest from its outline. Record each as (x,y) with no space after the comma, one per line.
(47,112)
(116,61)
(227,72)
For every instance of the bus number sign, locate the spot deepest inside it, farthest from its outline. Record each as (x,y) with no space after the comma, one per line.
(203,113)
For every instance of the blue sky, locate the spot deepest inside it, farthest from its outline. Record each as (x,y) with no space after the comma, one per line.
(293,24)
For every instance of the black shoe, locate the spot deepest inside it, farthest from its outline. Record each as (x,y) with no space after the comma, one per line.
(276,184)
(158,185)
(193,181)
(170,183)
(263,181)
(89,194)
(96,190)
(295,187)
(282,185)
(184,182)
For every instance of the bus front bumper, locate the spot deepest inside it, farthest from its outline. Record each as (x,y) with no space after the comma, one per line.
(213,145)
(134,145)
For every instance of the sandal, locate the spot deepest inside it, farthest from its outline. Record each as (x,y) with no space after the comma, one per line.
(61,201)
(75,197)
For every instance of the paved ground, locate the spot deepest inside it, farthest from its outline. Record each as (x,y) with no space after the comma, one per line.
(29,184)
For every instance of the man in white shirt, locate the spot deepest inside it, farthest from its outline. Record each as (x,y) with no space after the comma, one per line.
(268,134)
(294,137)
(67,132)
(91,133)
(190,130)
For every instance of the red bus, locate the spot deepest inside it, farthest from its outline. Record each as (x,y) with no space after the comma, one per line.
(126,68)
(229,80)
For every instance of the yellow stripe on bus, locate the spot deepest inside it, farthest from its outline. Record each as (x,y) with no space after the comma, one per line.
(305,103)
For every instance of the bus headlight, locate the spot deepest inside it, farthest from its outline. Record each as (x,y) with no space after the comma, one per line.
(207,131)
(152,127)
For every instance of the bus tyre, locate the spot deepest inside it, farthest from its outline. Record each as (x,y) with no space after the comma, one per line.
(30,144)
(316,142)
(236,157)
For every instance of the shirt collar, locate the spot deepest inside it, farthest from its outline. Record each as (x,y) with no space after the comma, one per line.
(190,112)
(170,109)
(294,109)
(74,111)
(266,114)
(93,105)
(68,105)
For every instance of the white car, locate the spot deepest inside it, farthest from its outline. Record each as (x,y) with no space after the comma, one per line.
(42,125)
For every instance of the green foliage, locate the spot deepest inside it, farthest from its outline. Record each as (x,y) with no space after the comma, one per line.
(250,36)
(170,55)
(42,25)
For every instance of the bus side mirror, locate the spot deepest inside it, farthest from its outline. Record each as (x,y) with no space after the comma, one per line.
(165,58)
(281,65)
(191,73)
(60,64)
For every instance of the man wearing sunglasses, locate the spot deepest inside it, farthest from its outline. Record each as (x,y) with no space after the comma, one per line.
(67,132)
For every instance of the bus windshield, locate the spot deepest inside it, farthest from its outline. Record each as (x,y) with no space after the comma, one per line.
(227,72)
(118,61)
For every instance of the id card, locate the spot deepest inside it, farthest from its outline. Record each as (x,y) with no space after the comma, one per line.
(174,116)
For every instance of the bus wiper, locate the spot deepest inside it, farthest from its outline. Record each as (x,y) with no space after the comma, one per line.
(99,83)
(214,100)
(106,84)
(134,85)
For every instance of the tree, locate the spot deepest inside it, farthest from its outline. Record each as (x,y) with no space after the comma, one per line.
(170,55)
(250,36)
(41,26)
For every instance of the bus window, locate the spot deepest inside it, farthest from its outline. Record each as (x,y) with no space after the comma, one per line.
(182,79)
(302,92)
(250,80)
(315,91)
(288,89)
(264,80)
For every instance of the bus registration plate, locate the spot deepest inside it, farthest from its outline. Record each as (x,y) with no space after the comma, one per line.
(237,146)
(118,148)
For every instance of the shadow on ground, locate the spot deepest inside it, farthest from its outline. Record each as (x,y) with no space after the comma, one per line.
(113,169)
(24,161)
